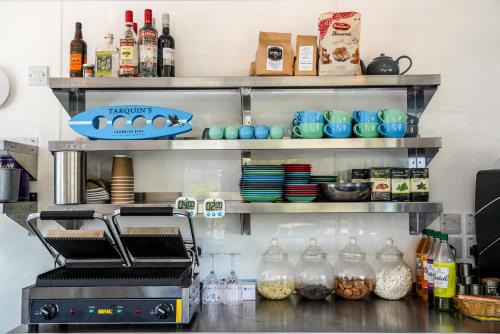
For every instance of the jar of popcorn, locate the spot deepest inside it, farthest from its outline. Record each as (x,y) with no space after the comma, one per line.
(393,276)
(275,275)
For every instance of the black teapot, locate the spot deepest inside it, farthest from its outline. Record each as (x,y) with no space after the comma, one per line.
(385,65)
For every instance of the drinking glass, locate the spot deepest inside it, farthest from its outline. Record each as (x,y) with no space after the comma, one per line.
(212,289)
(233,292)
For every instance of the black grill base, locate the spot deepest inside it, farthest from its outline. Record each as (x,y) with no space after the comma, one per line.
(109,276)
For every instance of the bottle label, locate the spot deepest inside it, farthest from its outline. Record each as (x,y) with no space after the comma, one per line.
(430,273)
(148,49)
(424,272)
(274,58)
(168,56)
(419,185)
(306,56)
(103,63)
(75,62)
(444,279)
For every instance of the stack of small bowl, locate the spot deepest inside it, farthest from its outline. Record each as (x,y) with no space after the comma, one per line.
(298,188)
(262,183)
(122,180)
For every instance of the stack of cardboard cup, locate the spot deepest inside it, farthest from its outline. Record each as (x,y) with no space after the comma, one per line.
(122,180)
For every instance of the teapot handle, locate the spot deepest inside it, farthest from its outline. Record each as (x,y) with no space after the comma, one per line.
(409,66)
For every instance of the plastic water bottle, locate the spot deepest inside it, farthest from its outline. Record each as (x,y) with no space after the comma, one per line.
(444,276)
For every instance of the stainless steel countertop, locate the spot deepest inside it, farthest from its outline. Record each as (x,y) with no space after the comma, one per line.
(297,315)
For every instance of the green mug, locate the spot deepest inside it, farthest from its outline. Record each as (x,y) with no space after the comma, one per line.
(231,132)
(392,115)
(309,130)
(366,130)
(216,132)
(337,116)
(277,132)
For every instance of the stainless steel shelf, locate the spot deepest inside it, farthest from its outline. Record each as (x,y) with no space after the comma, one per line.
(369,81)
(244,145)
(26,153)
(19,211)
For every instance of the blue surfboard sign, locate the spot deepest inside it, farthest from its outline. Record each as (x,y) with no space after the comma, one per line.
(124,122)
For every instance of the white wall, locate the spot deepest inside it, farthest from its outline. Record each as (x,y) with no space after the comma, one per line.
(454,38)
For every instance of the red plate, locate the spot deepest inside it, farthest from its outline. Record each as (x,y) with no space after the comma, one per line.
(300,192)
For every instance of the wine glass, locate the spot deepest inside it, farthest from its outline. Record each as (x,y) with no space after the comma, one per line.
(233,292)
(212,289)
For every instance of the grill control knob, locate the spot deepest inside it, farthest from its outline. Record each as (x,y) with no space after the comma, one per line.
(162,311)
(48,311)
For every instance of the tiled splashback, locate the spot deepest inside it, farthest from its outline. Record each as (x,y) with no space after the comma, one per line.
(206,171)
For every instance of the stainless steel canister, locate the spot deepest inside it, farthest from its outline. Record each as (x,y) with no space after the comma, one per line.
(9,184)
(70,174)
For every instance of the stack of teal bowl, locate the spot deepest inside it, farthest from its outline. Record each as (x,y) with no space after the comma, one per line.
(393,123)
(262,183)
(339,124)
(366,123)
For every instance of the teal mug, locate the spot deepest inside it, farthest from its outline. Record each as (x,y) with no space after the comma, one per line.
(392,115)
(337,116)
(277,132)
(231,132)
(309,130)
(216,132)
(366,130)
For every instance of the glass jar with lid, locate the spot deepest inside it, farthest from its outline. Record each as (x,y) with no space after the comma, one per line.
(393,276)
(313,273)
(354,278)
(275,275)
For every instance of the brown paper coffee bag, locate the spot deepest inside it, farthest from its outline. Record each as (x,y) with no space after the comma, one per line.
(274,54)
(307,55)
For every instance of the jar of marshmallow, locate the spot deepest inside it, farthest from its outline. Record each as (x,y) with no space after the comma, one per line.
(393,276)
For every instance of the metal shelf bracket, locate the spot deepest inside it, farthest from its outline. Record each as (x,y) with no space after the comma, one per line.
(420,220)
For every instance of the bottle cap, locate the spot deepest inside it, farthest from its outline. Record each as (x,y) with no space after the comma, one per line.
(108,35)
(431,233)
(148,16)
(424,232)
(129,16)
(443,236)
(165,19)
(78,25)
(134,25)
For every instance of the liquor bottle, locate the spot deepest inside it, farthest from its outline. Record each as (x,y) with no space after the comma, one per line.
(166,50)
(106,58)
(78,53)
(148,49)
(427,258)
(421,244)
(430,262)
(423,260)
(128,49)
(134,25)
(444,276)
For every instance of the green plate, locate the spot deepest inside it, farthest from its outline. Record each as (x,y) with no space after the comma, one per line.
(300,199)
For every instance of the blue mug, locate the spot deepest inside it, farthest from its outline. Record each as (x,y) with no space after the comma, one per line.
(246,132)
(392,129)
(308,116)
(261,132)
(365,116)
(338,130)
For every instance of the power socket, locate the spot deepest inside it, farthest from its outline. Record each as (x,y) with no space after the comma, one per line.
(469,242)
(470,223)
(456,242)
(452,223)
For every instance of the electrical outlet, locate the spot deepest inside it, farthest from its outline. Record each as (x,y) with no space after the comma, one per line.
(452,223)
(38,75)
(456,242)
(470,223)
(469,242)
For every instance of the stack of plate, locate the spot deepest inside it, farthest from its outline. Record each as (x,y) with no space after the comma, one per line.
(262,183)
(297,173)
(96,192)
(323,179)
(301,193)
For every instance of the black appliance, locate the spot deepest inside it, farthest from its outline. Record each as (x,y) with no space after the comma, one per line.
(487,213)
(128,277)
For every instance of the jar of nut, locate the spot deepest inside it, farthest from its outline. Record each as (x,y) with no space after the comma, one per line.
(313,273)
(275,275)
(354,278)
(393,275)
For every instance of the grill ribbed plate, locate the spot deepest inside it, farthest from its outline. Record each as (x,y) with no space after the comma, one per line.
(84,248)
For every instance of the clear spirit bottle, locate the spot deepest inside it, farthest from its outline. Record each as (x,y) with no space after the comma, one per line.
(106,58)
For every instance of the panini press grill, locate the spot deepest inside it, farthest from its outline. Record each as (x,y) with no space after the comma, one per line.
(115,279)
